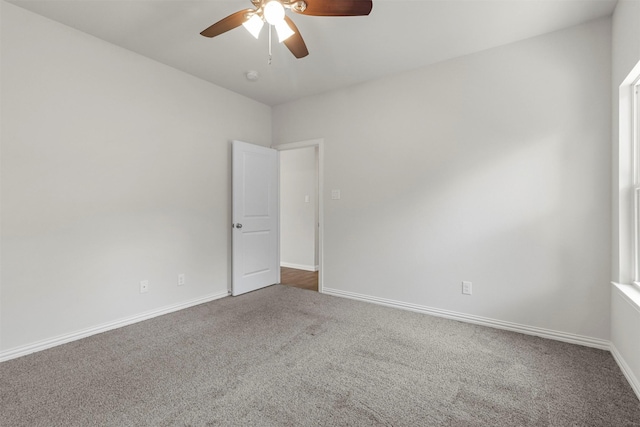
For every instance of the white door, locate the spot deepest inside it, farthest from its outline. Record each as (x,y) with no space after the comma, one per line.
(255,202)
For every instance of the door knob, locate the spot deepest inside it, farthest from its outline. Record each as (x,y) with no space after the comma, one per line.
(238,225)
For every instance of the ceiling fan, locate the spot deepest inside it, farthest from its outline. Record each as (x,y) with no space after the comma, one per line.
(273,13)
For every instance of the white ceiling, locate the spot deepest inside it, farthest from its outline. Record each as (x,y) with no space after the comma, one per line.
(399,35)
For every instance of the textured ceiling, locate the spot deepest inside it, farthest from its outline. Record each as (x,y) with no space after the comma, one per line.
(399,35)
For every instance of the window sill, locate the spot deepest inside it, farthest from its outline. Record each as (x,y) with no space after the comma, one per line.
(630,292)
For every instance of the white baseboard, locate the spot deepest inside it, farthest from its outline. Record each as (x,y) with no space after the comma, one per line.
(73,336)
(626,370)
(299,266)
(478,320)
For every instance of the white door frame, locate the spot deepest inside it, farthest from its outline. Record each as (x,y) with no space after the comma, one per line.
(319,143)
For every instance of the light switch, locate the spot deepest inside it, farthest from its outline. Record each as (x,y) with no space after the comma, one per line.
(306,198)
(335,194)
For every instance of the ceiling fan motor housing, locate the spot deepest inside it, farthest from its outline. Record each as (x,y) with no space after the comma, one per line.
(295,5)
(299,6)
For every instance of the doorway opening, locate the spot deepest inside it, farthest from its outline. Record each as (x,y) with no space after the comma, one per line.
(300,214)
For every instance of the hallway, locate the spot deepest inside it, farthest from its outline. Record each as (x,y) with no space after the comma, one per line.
(299,278)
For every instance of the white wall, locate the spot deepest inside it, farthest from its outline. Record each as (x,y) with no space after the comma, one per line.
(625,301)
(297,216)
(115,169)
(492,168)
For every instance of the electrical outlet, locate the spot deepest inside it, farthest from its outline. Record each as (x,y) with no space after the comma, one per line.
(144,286)
(181,279)
(335,194)
(466,288)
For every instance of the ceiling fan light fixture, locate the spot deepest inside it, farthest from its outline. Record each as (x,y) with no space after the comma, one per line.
(284,31)
(254,25)
(274,12)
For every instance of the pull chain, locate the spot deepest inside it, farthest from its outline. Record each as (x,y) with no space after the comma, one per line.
(269,45)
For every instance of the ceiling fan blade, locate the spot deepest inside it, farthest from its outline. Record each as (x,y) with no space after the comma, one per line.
(336,7)
(295,43)
(229,23)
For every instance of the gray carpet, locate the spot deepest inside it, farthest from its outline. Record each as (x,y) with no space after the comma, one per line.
(288,357)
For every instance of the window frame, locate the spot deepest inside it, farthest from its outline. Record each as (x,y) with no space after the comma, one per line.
(635,139)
